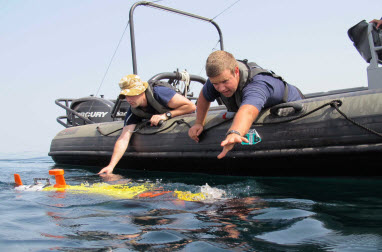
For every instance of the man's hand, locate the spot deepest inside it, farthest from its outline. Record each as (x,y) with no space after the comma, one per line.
(242,122)
(113,177)
(156,118)
(377,22)
(229,143)
(107,170)
(195,131)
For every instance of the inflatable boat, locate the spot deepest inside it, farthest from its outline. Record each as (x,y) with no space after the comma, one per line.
(326,130)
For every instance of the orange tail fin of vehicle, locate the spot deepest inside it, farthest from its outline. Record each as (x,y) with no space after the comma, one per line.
(18,179)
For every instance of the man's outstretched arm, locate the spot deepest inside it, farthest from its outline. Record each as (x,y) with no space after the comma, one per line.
(201,112)
(119,148)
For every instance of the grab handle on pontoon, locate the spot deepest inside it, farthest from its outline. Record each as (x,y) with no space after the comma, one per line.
(295,105)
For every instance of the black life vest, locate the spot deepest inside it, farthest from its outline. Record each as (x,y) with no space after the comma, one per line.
(159,108)
(247,71)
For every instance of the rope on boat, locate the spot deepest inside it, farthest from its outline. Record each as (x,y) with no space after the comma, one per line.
(181,121)
(185,77)
(226,9)
(107,134)
(299,117)
(112,57)
(143,125)
(334,104)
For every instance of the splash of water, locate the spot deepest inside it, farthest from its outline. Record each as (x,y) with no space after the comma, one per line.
(212,192)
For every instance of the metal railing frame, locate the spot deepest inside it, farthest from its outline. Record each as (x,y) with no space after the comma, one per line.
(161,7)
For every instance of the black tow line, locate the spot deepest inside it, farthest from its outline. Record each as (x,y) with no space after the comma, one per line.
(180,121)
(99,131)
(143,125)
(334,104)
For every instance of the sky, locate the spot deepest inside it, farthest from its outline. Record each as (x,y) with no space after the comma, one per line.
(52,49)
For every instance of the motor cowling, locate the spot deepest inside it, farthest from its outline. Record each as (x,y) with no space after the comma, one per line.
(95,109)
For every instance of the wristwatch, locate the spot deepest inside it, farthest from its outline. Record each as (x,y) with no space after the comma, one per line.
(169,115)
(233,132)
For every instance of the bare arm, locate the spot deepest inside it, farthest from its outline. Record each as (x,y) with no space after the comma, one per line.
(201,112)
(242,122)
(179,104)
(119,148)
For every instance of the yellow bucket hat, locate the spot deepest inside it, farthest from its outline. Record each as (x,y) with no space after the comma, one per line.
(132,85)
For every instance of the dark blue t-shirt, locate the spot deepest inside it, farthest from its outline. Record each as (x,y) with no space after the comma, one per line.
(263,91)
(162,94)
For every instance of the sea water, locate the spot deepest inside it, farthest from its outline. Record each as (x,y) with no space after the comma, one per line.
(235,214)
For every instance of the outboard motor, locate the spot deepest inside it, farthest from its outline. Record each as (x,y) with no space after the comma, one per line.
(88,110)
(95,109)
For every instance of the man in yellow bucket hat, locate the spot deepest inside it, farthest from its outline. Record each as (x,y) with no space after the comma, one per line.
(154,101)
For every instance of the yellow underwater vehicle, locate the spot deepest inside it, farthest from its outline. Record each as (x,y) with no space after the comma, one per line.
(126,190)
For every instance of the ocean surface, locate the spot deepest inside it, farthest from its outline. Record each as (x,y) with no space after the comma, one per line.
(157,211)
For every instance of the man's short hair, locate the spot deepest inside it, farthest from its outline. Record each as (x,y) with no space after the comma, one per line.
(219,61)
